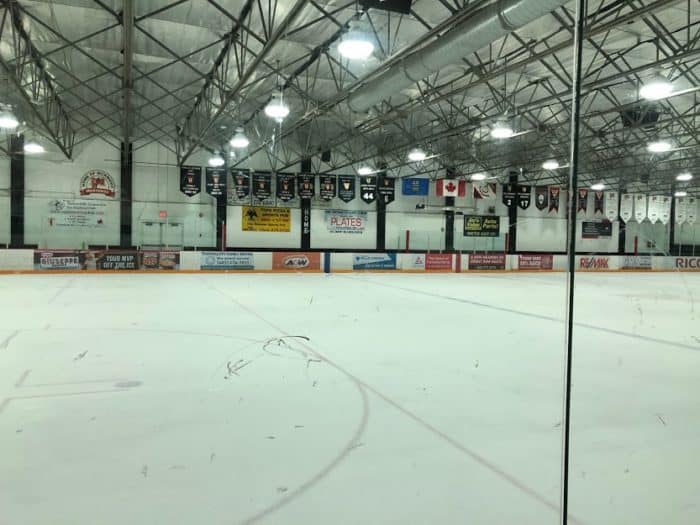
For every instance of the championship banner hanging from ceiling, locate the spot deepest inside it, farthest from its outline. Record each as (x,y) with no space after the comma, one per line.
(216,181)
(541,197)
(654,208)
(346,187)
(387,189)
(285,187)
(262,186)
(599,202)
(554,193)
(681,210)
(665,209)
(368,189)
(582,200)
(190,180)
(485,190)
(524,196)
(626,206)
(611,205)
(509,195)
(241,184)
(307,186)
(640,207)
(691,210)
(327,189)
(263,219)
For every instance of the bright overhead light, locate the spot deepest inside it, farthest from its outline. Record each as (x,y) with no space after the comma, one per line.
(216,161)
(276,108)
(32,147)
(416,155)
(684,177)
(550,164)
(478,176)
(239,139)
(8,120)
(680,193)
(502,130)
(356,44)
(598,186)
(365,170)
(659,146)
(232,154)
(656,88)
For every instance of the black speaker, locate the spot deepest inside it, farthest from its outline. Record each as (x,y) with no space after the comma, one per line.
(398,6)
(326,156)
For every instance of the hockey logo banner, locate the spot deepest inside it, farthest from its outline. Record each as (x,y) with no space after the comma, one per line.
(286,187)
(241,184)
(554,192)
(541,197)
(216,181)
(387,189)
(307,186)
(327,190)
(582,200)
(346,188)
(599,202)
(190,180)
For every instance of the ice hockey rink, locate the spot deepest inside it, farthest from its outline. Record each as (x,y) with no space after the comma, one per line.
(347,399)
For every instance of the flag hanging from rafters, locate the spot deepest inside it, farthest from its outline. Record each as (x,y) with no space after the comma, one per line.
(450,188)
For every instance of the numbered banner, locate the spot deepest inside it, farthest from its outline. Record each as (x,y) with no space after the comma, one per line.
(654,208)
(509,195)
(640,207)
(387,189)
(190,180)
(524,196)
(626,206)
(611,211)
(368,189)
(665,210)
(327,189)
(346,188)
(307,186)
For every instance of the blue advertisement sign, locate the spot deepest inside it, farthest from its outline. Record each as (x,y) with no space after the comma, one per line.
(415,187)
(227,261)
(374,261)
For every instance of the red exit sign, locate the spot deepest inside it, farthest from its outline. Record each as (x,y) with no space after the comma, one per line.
(163,214)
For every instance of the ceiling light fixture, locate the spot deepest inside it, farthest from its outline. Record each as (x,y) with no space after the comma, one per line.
(598,186)
(416,155)
(8,120)
(478,176)
(216,161)
(550,164)
(365,170)
(656,88)
(276,108)
(684,177)
(239,139)
(680,193)
(33,148)
(356,44)
(659,146)
(502,130)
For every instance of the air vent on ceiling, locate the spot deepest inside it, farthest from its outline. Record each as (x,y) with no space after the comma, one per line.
(639,117)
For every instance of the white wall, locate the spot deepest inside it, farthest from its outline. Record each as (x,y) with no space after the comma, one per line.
(651,238)
(156,187)
(4,201)
(688,234)
(50,177)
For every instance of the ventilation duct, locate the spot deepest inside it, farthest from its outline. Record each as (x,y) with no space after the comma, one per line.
(486,26)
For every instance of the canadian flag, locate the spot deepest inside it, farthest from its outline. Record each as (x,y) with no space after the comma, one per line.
(451,188)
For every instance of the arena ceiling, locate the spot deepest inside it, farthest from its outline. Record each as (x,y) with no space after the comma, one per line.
(186,73)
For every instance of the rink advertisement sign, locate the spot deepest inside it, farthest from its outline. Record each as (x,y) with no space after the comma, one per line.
(112,261)
(77,213)
(687,263)
(438,261)
(262,219)
(374,261)
(535,261)
(98,182)
(59,260)
(481,226)
(160,260)
(593,263)
(343,221)
(487,261)
(596,229)
(414,261)
(635,262)
(296,261)
(227,261)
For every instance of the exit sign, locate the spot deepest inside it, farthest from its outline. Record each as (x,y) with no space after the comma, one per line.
(163,214)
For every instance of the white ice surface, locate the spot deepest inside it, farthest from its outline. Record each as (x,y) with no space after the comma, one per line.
(419,399)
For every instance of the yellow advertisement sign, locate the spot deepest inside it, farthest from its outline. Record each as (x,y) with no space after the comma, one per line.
(259,219)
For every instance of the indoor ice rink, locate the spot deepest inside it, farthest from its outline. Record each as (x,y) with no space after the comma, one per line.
(349,261)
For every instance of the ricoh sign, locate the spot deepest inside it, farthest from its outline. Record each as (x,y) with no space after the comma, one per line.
(687,263)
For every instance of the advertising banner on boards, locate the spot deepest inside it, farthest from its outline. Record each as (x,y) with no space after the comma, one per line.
(152,260)
(59,260)
(374,261)
(635,262)
(296,261)
(487,261)
(112,260)
(438,261)
(227,261)
(535,261)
